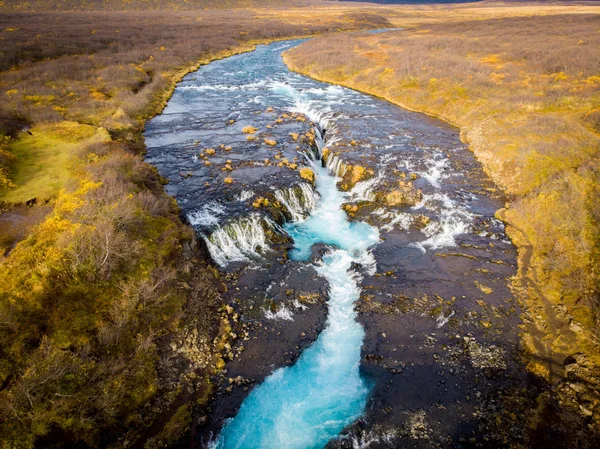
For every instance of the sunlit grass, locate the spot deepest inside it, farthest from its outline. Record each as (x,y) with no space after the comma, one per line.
(43,158)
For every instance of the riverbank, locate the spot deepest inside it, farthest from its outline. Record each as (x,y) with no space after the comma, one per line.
(531,117)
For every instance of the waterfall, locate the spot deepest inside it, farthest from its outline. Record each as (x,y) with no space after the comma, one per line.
(324,128)
(239,240)
(299,201)
(363,190)
(324,138)
(335,164)
(318,117)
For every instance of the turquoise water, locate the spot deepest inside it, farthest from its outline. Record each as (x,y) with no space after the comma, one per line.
(308,404)
(328,224)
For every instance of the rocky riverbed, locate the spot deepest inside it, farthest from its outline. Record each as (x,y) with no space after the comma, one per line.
(440,352)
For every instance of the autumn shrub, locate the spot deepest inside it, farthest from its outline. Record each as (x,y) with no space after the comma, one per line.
(83,298)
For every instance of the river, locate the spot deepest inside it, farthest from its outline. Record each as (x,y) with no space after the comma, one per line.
(375,314)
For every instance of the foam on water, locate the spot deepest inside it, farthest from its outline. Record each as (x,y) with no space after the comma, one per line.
(299,201)
(442,319)
(373,438)
(400,220)
(207,217)
(282,314)
(224,87)
(244,195)
(308,404)
(436,167)
(452,220)
(240,240)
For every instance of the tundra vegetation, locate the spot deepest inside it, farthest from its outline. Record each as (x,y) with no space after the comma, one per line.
(525,93)
(110,316)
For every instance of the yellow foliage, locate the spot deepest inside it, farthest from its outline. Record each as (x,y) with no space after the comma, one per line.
(497,77)
(40,99)
(260,201)
(356,173)
(560,76)
(483,288)
(491,59)
(307,173)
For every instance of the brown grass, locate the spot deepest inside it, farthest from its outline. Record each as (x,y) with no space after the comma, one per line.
(145,5)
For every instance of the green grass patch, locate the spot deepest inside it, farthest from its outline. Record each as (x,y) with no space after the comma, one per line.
(41,167)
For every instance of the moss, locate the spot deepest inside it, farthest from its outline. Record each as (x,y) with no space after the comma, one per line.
(174,431)
(405,195)
(307,173)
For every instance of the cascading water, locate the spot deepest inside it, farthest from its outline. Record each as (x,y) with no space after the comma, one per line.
(335,164)
(364,190)
(308,404)
(299,200)
(453,220)
(207,217)
(239,240)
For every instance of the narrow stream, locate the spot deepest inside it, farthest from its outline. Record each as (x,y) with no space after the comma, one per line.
(354,306)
